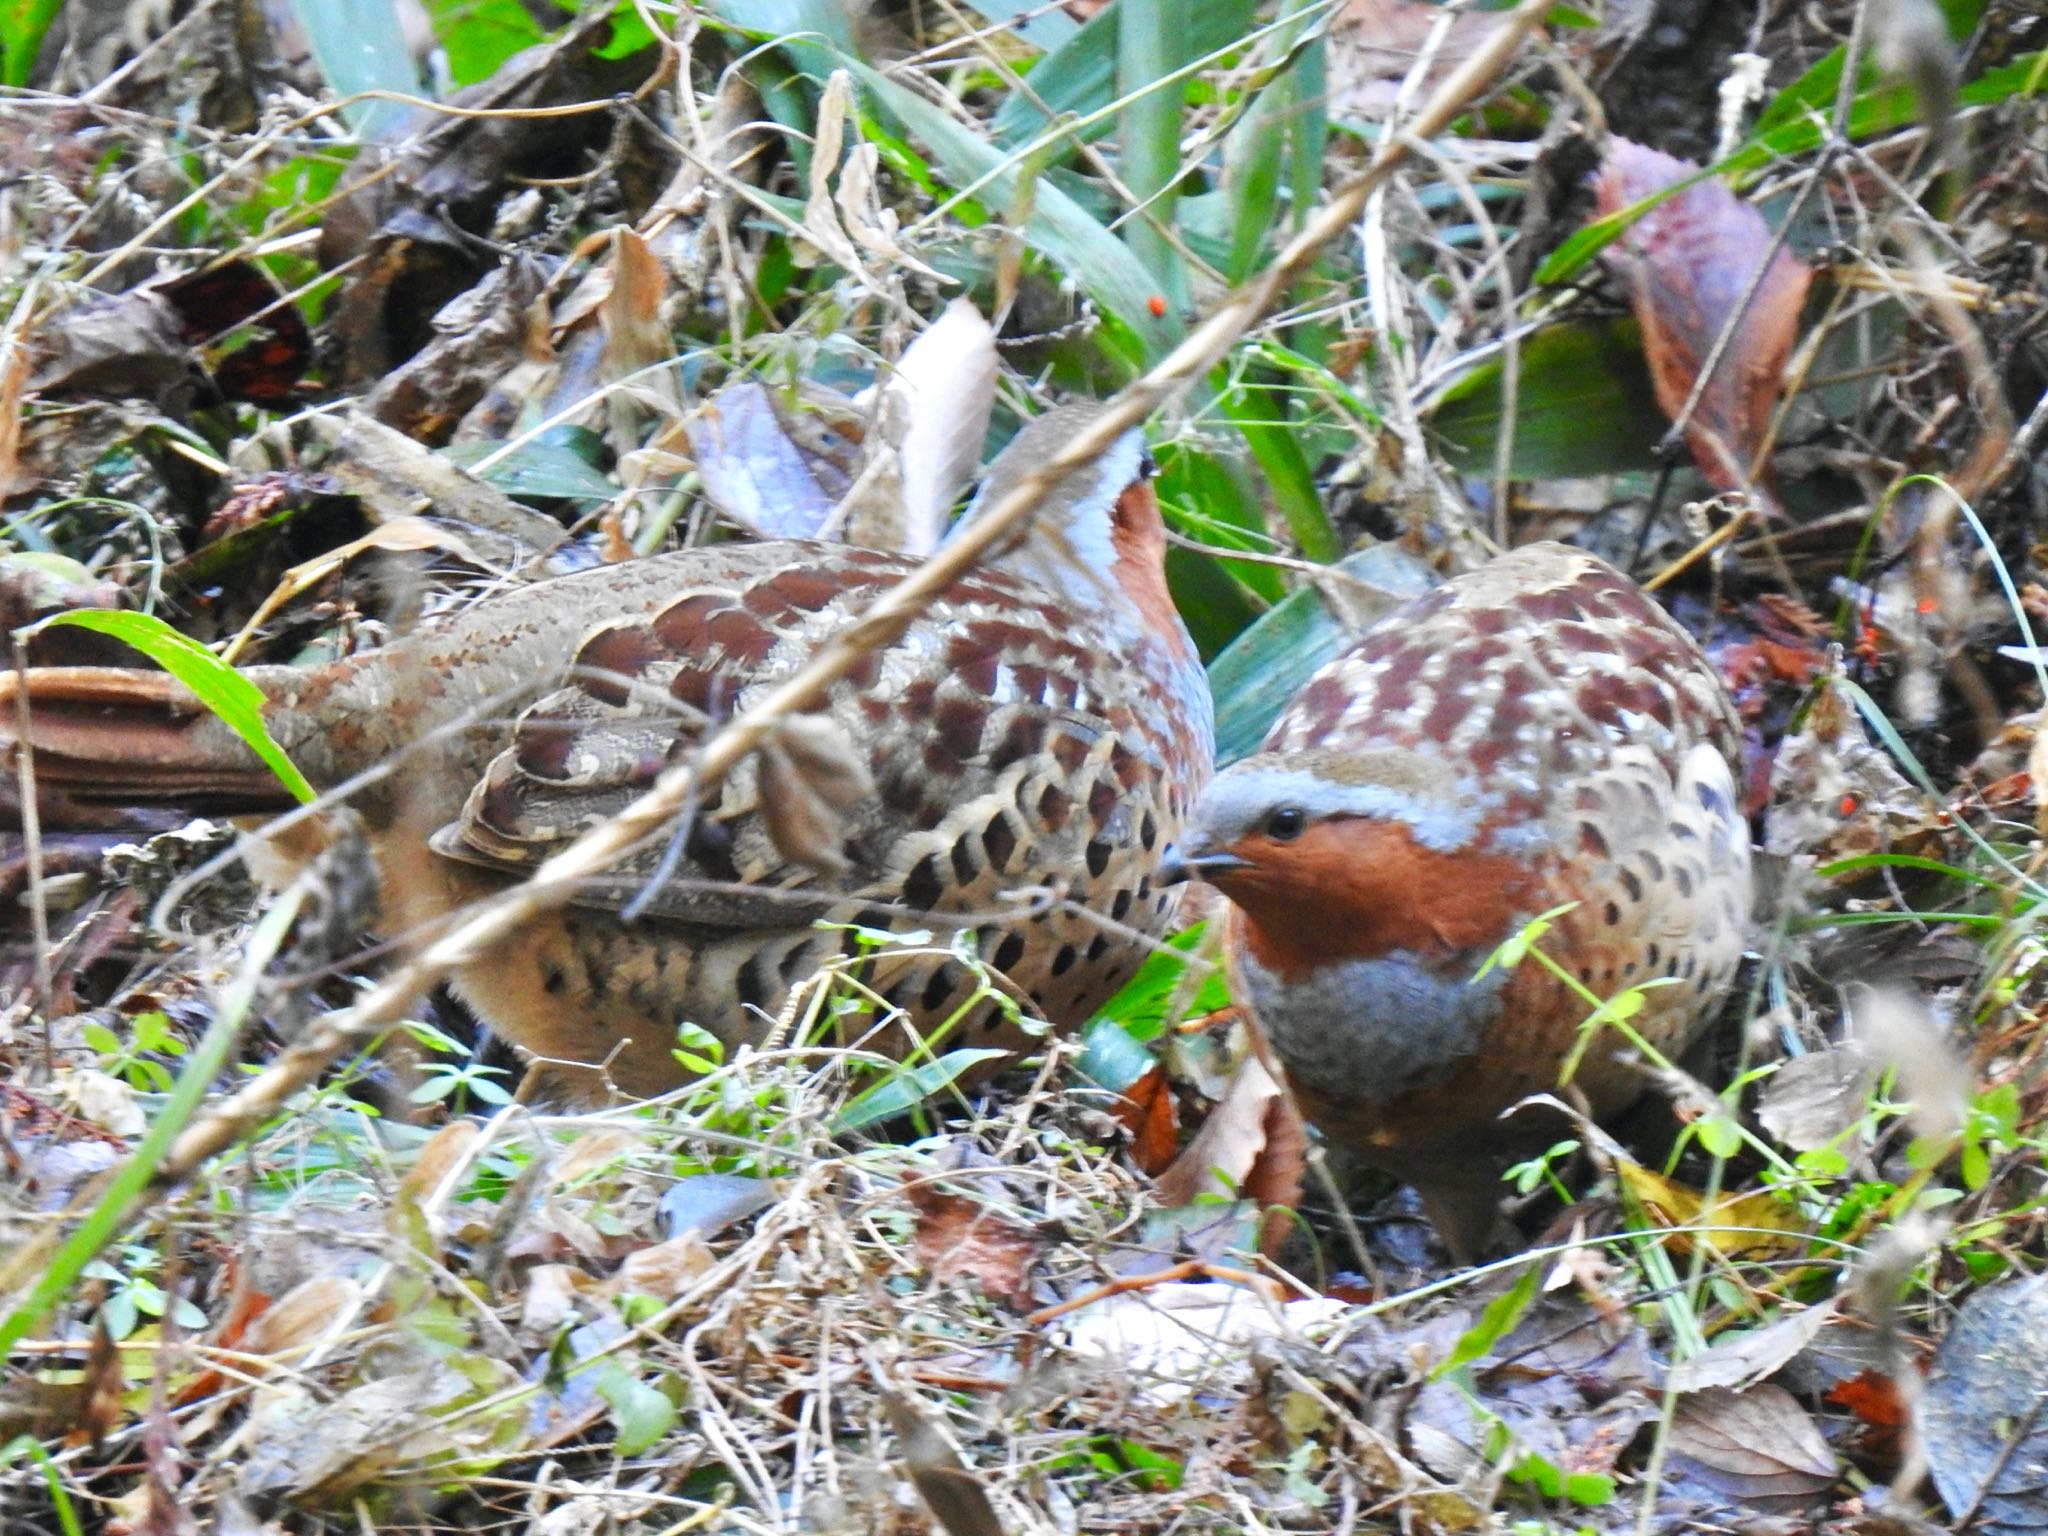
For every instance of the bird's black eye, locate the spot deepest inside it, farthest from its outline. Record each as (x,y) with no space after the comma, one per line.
(1147,465)
(1286,824)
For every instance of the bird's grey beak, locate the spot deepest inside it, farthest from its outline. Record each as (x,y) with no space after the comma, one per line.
(1197,863)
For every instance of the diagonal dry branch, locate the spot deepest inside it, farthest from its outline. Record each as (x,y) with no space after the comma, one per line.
(553,884)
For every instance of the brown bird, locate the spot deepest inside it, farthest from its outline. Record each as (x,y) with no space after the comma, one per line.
(1046,724)
(1534,733)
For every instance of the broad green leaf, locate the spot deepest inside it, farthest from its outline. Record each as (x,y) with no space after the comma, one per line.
(816,37)
(1499,1318)
(1043,27)
(909,1086)
(1137,1013)
(479,35)
(553,467)
(1585,405)
(642,1413)
(229,695)
(1078,78)
(1053,223)
(1283,130)
(23,25)
(1150,38)
(1262,416)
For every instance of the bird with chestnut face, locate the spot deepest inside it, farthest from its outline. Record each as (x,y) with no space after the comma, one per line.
(1535,734)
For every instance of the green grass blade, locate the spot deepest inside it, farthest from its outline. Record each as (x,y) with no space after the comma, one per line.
(1149,43)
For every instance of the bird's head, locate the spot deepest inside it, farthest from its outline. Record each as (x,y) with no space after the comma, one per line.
(1338,855)
(1097,538)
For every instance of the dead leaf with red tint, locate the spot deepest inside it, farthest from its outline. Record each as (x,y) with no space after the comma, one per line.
(1253,1146)
(957,1236)
(1874,1399)
(214,302)
(1688,264)
(1146,1109)
(254,502)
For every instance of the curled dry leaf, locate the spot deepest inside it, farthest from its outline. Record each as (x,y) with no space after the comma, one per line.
(1812,1099)
(948,1486)
(1688,264)
(1747,1358)
(1252,1145)
(754,472)
(934,413)
(811,774)
(663,1270)
(301,1315)
(1375,44)
(447,1149)
(1174,1337)
(636,340)
(1147,1111)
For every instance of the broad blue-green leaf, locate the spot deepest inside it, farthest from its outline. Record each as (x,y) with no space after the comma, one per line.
(1053,223)
(554,467)
(1264,667)
(909,1086)
(1078,78)
(815,36)
(360,46)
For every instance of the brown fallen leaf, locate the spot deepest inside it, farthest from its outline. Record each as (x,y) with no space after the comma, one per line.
(948,1486)
(1812,1099)
(300,1316)
(957,1236)
(1755,1446)
(1688,264)
(1747,1358)
(1252,1146)
(1374,44)
(811,775)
